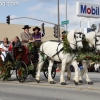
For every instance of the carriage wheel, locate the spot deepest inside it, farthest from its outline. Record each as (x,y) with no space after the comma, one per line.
(21,72)
(45,70)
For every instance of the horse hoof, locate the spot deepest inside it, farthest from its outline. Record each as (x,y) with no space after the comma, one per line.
(76,83)
(80,81)
(52,82)
(38,81)
(63,83)
(68,78)
(90,83)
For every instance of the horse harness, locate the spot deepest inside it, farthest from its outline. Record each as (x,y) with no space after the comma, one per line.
(74,51)
(96,40)
(58,51)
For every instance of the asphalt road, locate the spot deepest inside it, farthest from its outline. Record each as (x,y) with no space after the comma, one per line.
(30,90)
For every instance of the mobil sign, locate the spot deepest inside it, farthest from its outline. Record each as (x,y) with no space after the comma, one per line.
(87,10)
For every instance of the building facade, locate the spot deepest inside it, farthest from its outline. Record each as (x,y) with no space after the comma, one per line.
(12,30)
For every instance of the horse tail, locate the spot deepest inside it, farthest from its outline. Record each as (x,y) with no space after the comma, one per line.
(42,55)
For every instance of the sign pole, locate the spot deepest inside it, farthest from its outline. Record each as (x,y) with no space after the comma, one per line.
(88,23)
(99,28)
(58,23)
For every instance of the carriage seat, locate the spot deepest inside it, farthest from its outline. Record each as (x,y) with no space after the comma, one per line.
(21,51)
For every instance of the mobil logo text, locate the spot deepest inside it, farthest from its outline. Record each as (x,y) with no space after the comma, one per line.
(93,10)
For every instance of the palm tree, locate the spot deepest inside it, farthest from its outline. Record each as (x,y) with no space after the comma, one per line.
(94,26)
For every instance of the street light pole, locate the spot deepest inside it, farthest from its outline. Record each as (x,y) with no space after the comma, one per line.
(58,23)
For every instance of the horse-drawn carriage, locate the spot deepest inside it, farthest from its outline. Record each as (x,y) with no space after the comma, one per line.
(73,48)
(24,62)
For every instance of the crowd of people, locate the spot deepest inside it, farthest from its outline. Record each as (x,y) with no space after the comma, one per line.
(26,37)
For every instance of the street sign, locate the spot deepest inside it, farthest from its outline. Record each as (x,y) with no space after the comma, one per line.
(65,22)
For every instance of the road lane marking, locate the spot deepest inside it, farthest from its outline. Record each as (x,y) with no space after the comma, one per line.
(51,85)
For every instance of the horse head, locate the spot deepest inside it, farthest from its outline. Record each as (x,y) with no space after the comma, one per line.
(75,39)
(93,39)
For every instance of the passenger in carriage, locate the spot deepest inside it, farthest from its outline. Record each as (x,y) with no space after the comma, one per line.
(26,36)
(4,48)
(15,43)
(37,38)
(37,34)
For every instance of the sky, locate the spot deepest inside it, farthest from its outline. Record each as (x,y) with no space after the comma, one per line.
(44,10)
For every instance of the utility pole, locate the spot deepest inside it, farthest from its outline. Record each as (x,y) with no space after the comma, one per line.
(66,26)
(58,22)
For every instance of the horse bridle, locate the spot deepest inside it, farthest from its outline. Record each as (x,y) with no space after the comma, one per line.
(96,41)
(76,40)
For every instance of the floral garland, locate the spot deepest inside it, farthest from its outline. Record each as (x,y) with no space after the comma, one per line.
(31,45)
(84,54)
(66,44)
(5,68)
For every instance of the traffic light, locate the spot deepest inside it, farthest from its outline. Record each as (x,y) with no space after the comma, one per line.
(8,19)
(56,31)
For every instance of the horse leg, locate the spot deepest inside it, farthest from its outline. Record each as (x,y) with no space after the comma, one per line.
(85,64)
(76,77)
(81,75)
(87,77)
(49,72)
(68,72)
(62,80)
(39,67)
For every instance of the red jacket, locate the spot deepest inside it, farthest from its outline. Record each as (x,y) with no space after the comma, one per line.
(10,47)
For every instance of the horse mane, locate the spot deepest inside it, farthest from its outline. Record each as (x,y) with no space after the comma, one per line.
(70,36)
(90,36)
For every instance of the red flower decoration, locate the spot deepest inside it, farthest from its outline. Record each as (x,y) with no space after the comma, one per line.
(19,73)
(63,37)
(87,56)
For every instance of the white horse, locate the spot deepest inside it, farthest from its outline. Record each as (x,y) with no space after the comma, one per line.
(54,50)
(93,39)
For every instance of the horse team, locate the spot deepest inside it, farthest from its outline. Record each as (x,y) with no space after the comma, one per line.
(50,49)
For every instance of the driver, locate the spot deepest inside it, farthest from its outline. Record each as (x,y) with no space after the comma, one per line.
(26,36)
